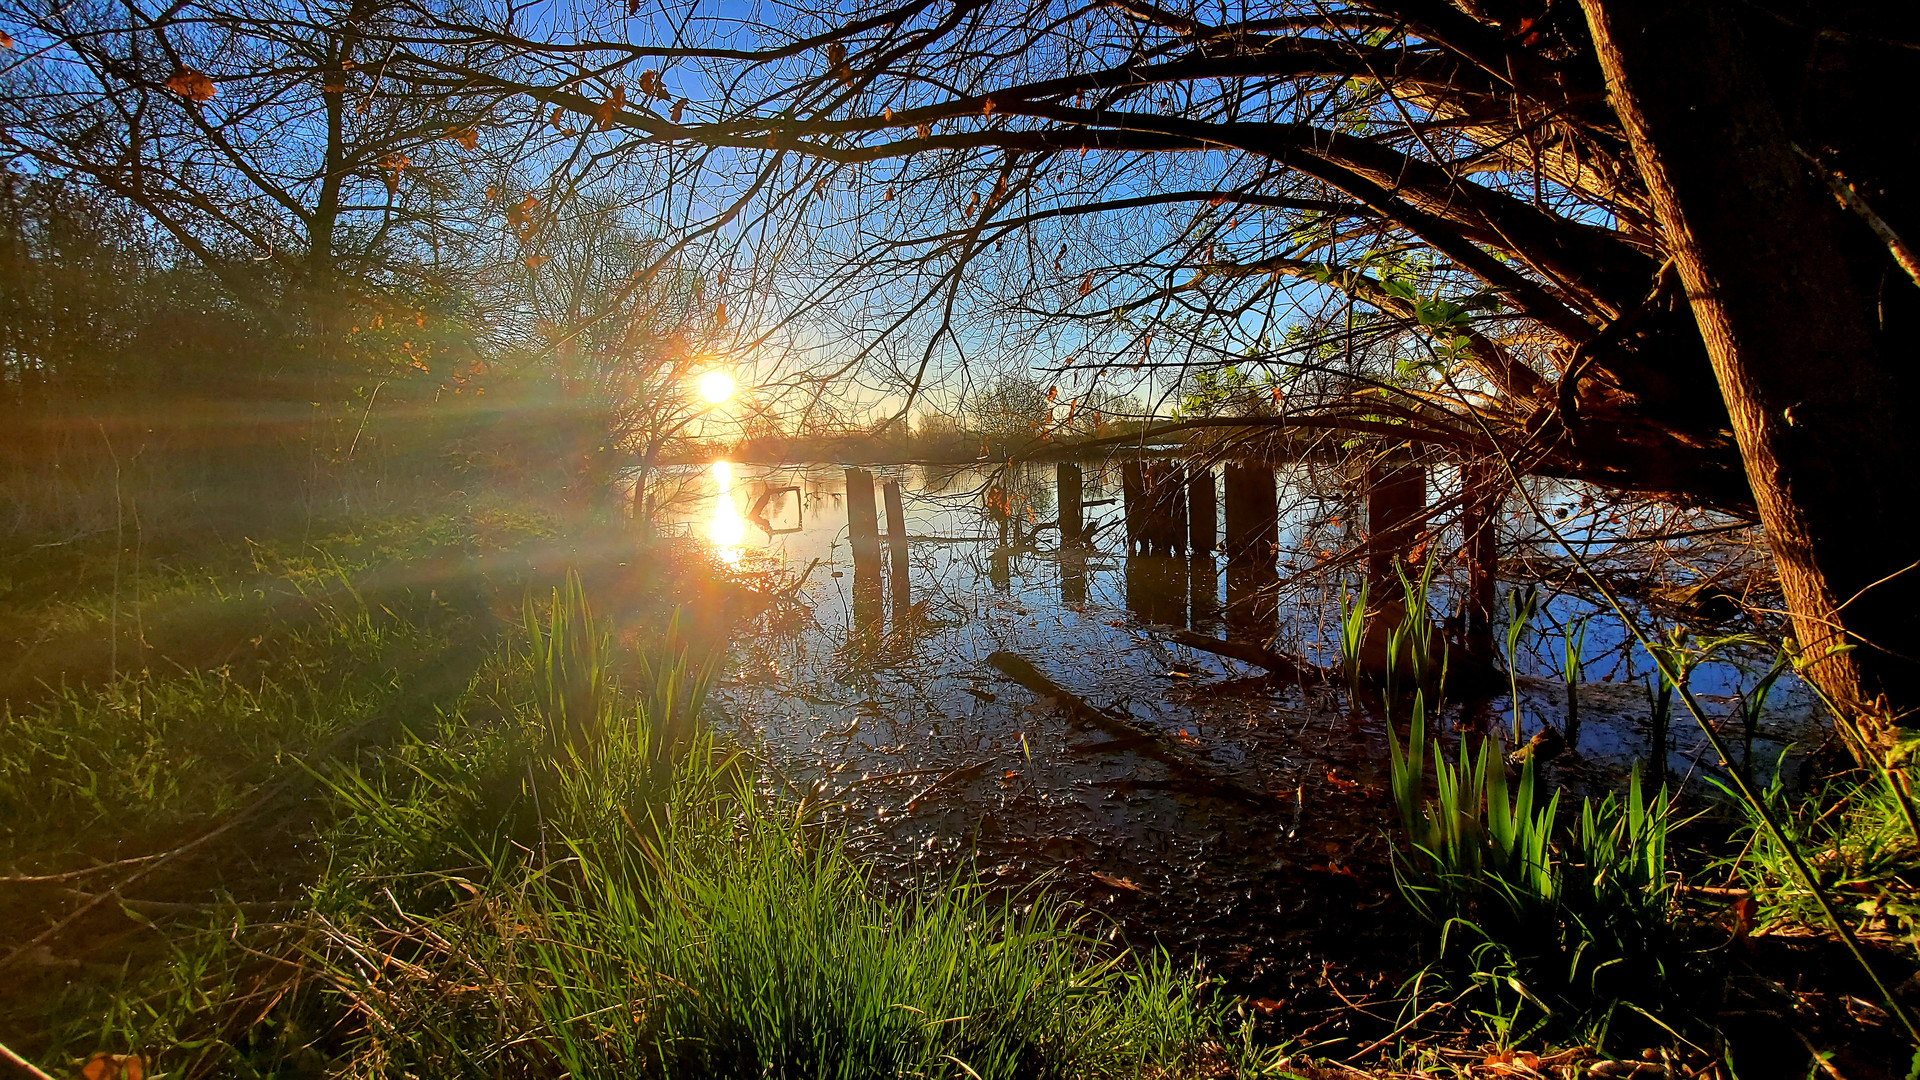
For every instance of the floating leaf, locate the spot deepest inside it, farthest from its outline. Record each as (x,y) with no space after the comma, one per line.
(535,262)
(1086,287)
(925,131)
(6,40)
(195,86)
(678,108)
(720,315)
(987,106)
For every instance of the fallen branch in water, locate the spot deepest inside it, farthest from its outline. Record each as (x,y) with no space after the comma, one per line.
(1297,670)
(1154,745)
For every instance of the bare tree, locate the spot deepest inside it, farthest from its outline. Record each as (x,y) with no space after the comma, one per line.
(1437,213)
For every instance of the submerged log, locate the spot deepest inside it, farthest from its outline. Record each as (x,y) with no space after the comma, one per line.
(1293,669)
(1159,747)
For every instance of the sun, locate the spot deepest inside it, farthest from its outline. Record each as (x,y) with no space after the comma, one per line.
(716,387)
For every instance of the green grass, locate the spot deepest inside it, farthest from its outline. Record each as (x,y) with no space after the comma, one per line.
(557,869)
(642,909)
(1857,833)
(1562,930)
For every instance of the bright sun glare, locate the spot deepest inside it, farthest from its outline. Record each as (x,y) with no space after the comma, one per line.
(716,386)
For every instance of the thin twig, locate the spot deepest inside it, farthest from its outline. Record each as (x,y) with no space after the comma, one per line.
(1403,1028)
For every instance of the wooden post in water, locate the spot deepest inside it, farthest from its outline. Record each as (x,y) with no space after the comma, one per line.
(1203,513)
(1253,513)
(1396,504)
(863,530)
(863,523)
(1253,528)
(1172,491)
(1133,503)
(1069,482)
(897,546)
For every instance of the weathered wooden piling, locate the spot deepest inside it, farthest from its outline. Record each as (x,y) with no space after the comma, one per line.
(1203,512)
(1253,513)
(1169,499)
(1133,502)
(1156,508)
(1396,508)
(1069,483)
(863,522)
(897,547)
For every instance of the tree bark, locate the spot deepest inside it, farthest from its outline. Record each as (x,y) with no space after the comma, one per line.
(1830,446)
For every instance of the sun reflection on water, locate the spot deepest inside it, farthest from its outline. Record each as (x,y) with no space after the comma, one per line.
(729,528)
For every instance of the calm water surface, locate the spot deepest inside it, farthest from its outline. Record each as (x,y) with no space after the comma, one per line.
(875,696)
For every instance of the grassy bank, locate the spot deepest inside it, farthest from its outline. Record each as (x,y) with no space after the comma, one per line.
(436,795)
(379,816)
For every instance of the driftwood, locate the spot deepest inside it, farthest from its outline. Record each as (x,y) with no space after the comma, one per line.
(1154,745)
(1295,670)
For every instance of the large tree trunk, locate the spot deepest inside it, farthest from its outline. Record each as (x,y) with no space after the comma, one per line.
(1831,449)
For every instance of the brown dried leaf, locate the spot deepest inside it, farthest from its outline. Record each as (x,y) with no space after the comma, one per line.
(105,1066)
(195,86)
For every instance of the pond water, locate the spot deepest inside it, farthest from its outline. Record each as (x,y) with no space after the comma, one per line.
(873,694)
